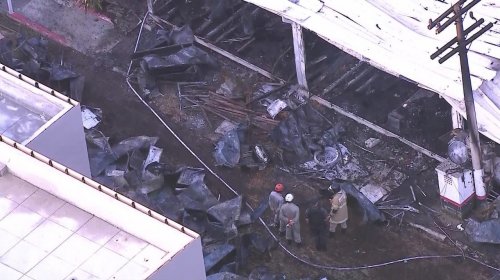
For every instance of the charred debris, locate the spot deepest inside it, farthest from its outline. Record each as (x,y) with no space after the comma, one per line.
(29,56)
(265,124)
(135,167)
(261,123)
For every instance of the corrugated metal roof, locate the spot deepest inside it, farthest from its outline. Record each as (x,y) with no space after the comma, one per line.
(393,36)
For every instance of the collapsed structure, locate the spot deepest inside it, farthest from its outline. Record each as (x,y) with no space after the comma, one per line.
(394,37)
(324,158)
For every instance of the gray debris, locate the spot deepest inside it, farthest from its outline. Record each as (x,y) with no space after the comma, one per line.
(198,197)
(225,276)
(29,57)
(151,182)
(217,255)
(457,150)
(297,134)
(186,56)
(181,35)
(167,203)
(261,154)
(372,142)
(328,157)
(133,143)
(370,212)
(147,82)
(266,90)
(245,217)
(136,159)
(91,117)
(261,243)
(275,107)
(229,267)
(227,150)
(263,205)
(154,155)
(496,171)
(195,220)
(331,136)
(99,150)
(225,127)
(483,232)
(264,273)
(230,88)
(76,87)
(227,213)
(190,176)
(60,73)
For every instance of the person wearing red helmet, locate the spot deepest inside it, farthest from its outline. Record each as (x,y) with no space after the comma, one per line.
(275,201)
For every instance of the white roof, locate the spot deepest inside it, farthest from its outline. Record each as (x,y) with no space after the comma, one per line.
(25,109)
(393,36)
(57,224)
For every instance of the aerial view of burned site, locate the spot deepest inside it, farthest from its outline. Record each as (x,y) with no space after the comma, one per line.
(249,139)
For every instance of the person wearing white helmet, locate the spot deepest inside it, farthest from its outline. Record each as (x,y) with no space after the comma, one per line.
(275,201)
(289,220)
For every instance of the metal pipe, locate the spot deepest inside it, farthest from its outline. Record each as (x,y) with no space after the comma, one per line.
(469,107)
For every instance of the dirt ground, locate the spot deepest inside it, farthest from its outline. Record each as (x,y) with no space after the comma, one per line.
(125,116)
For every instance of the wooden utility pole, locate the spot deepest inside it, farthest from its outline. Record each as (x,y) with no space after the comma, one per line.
(461,48)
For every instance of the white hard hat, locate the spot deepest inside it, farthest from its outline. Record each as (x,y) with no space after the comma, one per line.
(289,197)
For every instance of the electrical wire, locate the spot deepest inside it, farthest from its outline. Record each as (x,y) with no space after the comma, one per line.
(326,267)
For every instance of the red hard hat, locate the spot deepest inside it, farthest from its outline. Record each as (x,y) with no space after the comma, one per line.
(279,187)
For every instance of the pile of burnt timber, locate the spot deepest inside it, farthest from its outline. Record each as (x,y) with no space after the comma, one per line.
(230,109)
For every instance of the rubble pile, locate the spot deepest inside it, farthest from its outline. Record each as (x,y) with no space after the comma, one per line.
(169,55)
(30,57)
(135,168)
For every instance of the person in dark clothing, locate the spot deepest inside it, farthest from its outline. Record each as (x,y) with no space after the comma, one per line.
(317,217)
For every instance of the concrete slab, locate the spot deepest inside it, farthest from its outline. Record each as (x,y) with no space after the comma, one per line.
(85,32)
